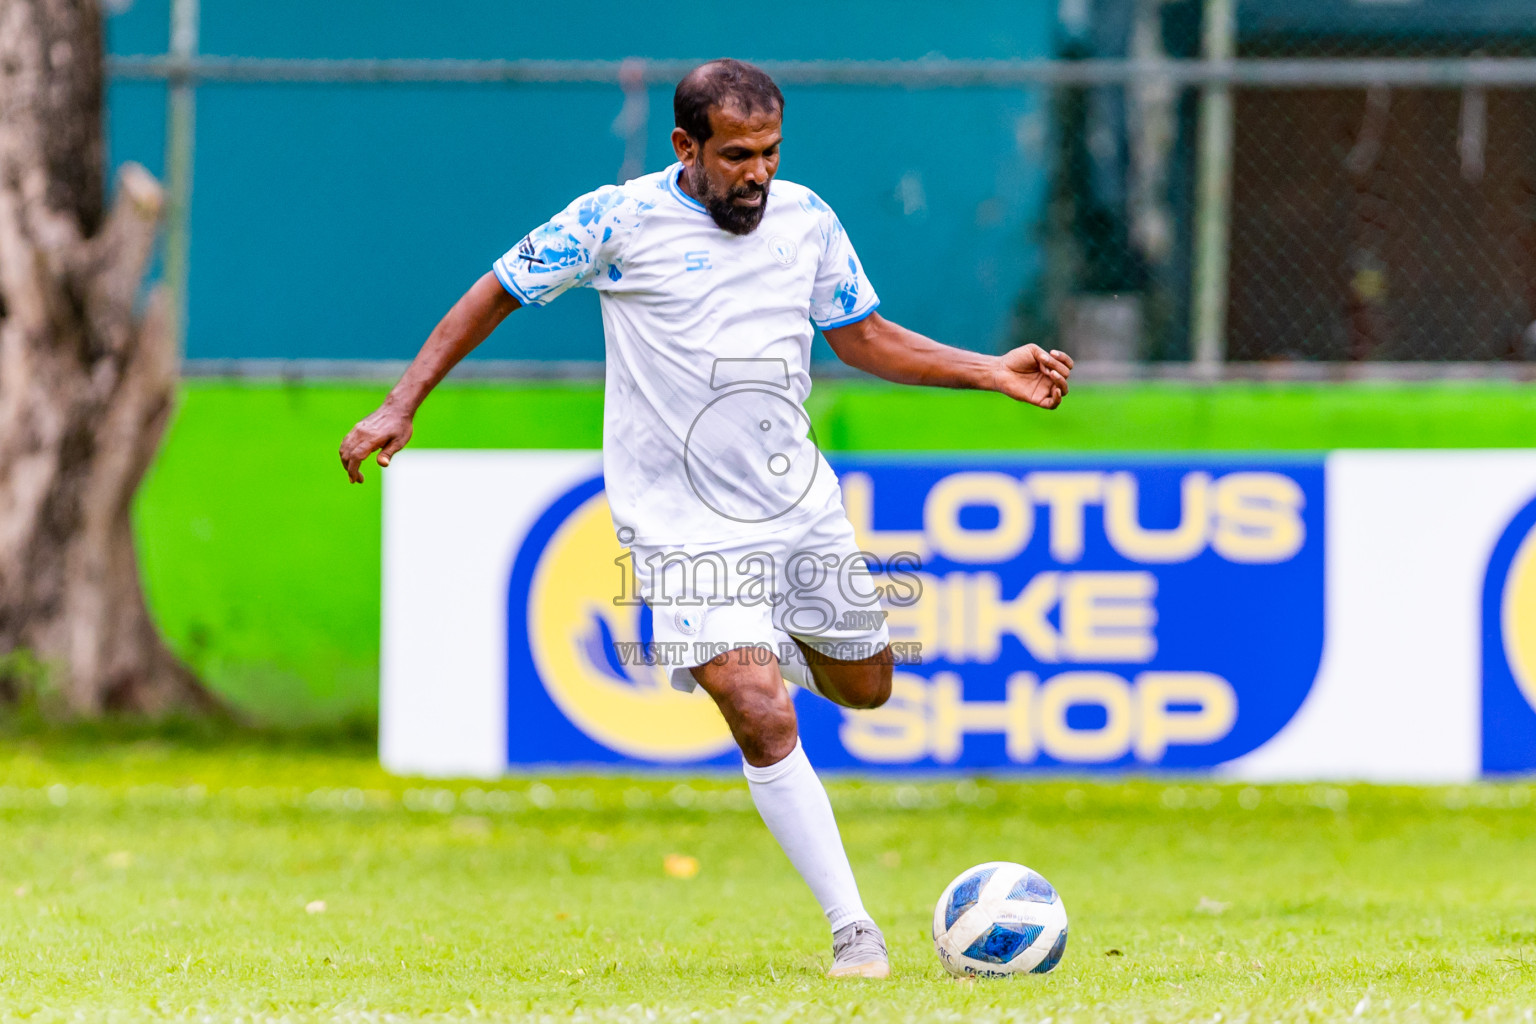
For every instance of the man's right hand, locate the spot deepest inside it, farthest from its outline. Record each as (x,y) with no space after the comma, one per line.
(386,430)
(474,316)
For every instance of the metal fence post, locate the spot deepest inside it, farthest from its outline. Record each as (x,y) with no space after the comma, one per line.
(181,120)
(634,118)
(1213,198)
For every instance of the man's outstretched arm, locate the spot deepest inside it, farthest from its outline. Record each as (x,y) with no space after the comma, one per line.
(890,351)
(387,429)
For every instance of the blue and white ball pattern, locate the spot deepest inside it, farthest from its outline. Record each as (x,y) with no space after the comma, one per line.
(998,919)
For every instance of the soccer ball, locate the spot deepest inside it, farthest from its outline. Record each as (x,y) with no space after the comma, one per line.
(998,919)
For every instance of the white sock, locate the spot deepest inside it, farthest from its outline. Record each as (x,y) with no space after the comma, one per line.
(795,808)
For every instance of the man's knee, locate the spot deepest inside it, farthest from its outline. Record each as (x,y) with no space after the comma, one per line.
(764,723)
(873,688)
(862,686)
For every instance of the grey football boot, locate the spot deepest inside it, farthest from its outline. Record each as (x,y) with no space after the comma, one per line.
(858,951)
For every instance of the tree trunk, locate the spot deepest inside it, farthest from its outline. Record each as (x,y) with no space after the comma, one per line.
(86,379)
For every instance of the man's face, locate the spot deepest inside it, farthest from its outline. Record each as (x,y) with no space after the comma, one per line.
(729,173)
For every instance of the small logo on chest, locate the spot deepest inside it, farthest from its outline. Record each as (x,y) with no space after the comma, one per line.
(783,249)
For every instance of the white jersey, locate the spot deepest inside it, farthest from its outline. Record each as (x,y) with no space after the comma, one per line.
(708,335)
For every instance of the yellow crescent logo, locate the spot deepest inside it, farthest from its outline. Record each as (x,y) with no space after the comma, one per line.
(575,634)
(1517,614)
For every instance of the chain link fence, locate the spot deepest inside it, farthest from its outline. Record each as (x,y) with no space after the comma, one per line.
(1380,186)
(1309,187)
(1390,222)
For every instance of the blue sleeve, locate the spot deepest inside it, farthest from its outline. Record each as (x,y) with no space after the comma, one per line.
(568,251)
(842,294)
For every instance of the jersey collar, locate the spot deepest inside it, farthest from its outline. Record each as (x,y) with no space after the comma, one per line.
(673,187)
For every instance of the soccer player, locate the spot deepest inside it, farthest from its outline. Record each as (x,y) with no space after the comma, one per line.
(711,274)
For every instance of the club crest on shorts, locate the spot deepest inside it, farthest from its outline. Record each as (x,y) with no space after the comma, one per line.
(783,249)
(689,622)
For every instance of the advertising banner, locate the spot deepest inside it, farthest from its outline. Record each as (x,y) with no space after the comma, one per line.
(1350,615)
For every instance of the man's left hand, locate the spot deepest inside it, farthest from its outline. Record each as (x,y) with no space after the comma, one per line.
(1031,374)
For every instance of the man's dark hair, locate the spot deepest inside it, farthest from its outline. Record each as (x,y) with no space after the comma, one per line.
(722,83)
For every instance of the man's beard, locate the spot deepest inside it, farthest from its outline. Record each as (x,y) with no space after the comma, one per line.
(738,220)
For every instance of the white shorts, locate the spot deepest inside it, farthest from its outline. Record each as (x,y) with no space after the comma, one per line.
(806,582)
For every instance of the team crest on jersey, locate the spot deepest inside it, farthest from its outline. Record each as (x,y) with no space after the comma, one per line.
(783,249)
(688,622)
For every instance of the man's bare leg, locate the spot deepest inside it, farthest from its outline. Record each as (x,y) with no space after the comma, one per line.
(865,683)
(792,801)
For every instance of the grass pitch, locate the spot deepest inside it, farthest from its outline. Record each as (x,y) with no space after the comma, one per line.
(145,882)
